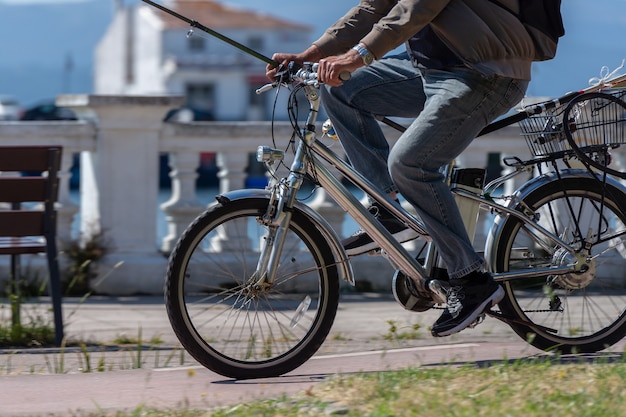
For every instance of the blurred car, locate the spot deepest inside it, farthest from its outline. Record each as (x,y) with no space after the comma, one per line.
(48,111)
(188,114)
(9,108)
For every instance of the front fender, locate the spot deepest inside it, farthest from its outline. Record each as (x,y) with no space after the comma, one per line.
(341,259)
(495,232)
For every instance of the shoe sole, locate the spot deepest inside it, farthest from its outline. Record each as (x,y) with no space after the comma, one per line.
(492,300)
(402,236)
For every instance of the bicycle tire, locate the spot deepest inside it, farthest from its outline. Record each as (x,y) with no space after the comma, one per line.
(229,326)
(595,123)
(587,310)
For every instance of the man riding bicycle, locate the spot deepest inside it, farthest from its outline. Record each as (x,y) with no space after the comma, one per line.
(466,63)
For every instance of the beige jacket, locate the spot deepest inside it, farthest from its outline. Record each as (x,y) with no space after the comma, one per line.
(485,36)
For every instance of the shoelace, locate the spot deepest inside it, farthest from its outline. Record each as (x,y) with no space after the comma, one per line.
(455,296)
(358,232)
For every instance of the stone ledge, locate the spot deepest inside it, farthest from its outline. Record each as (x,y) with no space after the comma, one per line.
(91,100)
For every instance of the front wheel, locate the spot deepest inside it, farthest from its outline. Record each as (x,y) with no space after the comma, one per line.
(579,312)
(233,327)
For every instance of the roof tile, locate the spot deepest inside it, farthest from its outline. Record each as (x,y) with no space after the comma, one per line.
(217,15)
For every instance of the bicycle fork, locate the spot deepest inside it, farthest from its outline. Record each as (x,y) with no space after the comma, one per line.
(277,221)
(277,216)
(283,197)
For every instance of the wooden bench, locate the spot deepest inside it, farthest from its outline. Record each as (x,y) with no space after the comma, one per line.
(28,175)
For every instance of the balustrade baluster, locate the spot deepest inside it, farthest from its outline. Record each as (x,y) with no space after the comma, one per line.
(183,205)
(232,176)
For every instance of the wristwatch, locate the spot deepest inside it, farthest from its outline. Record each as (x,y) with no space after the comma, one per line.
(367,56)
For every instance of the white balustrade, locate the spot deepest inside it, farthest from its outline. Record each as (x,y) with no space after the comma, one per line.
(119,180)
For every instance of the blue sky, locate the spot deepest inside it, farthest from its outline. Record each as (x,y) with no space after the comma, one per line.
(594,38)
(25,2)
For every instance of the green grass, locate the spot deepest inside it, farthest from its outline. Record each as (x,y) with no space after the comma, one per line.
(512,389)
(399,332)
(32,329)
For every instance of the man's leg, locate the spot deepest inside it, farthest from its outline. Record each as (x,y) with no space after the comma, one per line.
(460,103)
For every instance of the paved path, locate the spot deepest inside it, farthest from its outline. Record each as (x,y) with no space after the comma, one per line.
(48,382)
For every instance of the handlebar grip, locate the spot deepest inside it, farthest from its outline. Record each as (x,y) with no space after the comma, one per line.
(345,76)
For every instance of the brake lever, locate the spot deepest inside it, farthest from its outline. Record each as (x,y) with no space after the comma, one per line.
(279,78)
(267,87)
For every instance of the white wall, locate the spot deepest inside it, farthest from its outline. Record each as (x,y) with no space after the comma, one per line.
(148,54)
(163,63)
(109,65)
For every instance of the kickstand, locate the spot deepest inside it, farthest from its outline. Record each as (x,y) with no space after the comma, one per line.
(509,320)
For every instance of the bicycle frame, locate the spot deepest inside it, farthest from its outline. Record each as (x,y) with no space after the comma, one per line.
(312,157)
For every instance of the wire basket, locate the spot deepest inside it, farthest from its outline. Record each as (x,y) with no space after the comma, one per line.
(544,133)
(594,123)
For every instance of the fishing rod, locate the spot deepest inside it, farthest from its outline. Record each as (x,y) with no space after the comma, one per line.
(211,32)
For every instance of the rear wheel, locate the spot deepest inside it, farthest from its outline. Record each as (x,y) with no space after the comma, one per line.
(232,326)
(576,312)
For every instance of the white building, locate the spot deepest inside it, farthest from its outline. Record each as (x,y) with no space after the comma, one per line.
(148,52)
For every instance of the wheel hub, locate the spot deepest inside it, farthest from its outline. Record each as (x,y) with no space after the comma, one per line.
(585,270)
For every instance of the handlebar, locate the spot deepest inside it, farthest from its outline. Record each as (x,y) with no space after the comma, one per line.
(294,73)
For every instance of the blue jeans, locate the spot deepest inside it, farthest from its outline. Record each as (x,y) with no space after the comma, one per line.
(450,108)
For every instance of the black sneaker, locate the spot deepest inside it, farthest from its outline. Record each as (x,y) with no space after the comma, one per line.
(405,292)
(361,242)
(467,300)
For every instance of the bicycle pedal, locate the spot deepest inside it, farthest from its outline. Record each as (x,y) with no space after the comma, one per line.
(438,291)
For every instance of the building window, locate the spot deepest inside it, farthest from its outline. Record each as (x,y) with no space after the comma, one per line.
(201,97)
(255,99)
(196,44)
(255,43)
(257,108)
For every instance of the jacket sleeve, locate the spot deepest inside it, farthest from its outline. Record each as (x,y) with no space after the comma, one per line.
(382,25)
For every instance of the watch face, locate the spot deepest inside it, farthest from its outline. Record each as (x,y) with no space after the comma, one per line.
(367,57)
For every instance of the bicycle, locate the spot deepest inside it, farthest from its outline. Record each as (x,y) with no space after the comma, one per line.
(252,285)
